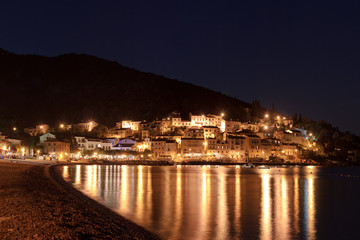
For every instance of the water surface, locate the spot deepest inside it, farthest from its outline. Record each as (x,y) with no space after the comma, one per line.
(228,202)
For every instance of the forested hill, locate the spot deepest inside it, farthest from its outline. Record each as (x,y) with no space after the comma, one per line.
(72,88)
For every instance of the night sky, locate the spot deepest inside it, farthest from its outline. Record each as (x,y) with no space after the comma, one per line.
(300,56)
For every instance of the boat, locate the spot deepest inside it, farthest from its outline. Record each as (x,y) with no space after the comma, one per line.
(248,165)
(263,167)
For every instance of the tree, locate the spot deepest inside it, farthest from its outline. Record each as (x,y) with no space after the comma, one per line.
(256,111)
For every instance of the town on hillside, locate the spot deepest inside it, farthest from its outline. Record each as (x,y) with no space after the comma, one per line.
(205,137)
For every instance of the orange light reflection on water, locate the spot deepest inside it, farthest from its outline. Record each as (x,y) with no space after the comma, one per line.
(206,202)
(265,220)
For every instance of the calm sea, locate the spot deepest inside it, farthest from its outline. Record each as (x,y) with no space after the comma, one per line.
(228,202)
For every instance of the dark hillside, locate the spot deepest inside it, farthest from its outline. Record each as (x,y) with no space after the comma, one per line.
(72,88)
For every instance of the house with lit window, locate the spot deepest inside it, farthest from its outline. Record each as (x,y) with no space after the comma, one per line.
(208,120)
(83,143)
(133,125)
(253,146)
(237,146)
(192,147)
(86,126)
(120,133)
(56,149)
(164,149)
(211,132)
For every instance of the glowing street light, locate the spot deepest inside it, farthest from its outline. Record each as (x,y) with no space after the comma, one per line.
(266,115)
(14,129)
(61,125)
(222,114)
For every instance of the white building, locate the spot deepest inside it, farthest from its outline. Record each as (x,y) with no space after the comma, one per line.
(91,144)
(208,120)
(133,125)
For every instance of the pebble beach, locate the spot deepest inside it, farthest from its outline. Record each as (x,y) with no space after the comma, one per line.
(36,203)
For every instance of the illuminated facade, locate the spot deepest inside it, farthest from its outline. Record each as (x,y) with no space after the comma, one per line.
(208,120)
(57,149)
(133,125)
(87,126)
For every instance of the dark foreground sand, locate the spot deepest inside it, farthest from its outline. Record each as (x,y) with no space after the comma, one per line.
(36,203)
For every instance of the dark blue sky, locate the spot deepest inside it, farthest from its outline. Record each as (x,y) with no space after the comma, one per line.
(300,55)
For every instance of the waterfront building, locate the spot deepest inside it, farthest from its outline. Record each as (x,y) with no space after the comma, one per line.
(222,149)
(164,149)
(289,149)
(237,146)
(253,146)
(192,147)
(57,149)
(91,144)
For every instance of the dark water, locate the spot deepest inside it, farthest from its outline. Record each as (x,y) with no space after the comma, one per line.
(228,202)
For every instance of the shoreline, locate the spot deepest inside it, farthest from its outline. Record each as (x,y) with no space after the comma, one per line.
(37,203)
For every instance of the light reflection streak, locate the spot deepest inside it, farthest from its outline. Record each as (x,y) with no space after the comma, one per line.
(166,213)
(309,208)
(149,195)
(66,172)
(178,204)
(296,205)
(90,180)
(140,194)
(237,218)
(123,190)
(77,174)
(265,224)
(198,202)
(278,213)
(204,204)
(222,214)
(285,210)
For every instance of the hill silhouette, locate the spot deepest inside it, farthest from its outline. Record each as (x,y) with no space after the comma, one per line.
(72,88)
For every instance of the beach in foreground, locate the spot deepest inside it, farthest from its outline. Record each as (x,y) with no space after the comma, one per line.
(36,203)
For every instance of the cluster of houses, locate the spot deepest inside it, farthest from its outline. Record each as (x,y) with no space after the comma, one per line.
(206,137)
(10,148)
